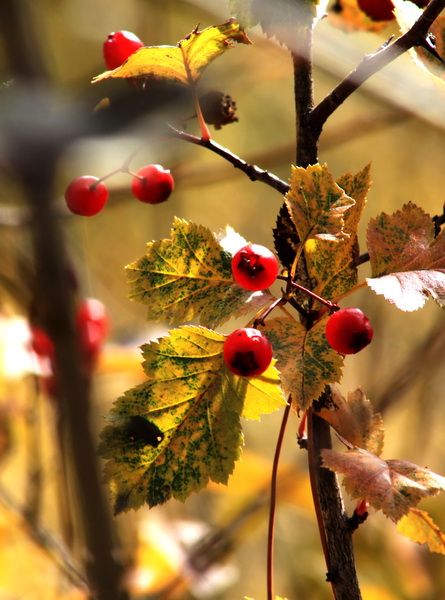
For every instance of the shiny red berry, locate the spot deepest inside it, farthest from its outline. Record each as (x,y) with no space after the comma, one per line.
(247,352)
(255,267)
(119,46)
(86,196)
(377,10)
(153,184)
(349,330)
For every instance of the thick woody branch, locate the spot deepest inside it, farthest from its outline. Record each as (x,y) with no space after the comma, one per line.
(372,63)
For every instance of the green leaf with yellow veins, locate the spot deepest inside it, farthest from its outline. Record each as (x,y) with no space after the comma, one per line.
(192,404)
(189,276)
(407,260)
(316,204)
(304,358)
(185,62)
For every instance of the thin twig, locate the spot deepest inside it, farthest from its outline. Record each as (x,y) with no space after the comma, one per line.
(273,502)
(373,63)
(252,171)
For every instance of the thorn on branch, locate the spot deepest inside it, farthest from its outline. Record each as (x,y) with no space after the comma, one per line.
(429,44)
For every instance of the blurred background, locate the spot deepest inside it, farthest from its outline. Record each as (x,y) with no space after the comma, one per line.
(214,545)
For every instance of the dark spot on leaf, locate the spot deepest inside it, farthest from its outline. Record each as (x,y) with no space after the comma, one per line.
(138,429)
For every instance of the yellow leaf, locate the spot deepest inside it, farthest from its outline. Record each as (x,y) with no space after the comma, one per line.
(419,527)
(185,62)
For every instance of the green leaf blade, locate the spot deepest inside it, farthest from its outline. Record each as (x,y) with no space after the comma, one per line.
(304,358)
(177,278)
(196,404)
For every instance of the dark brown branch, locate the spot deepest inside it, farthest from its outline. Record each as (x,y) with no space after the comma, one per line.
(252,171)
(373,63)
(336,532)
(307,143)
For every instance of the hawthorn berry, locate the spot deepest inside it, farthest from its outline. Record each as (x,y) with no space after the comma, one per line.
(255,267)
(152,184)
(349,330)
(377,10)
(119,46)
(86,196)
(247,352)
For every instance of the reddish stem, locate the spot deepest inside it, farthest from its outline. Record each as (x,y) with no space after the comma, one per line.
(273,501)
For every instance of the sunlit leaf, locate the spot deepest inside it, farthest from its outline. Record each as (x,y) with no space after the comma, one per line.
(195,403)
(316,204)
(354,420)
(407,261)
(419,527)
(393,486)
(185,62)
(188,276)
(304,358)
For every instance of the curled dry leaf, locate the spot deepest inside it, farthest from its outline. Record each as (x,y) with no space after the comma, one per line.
(355,421)
(393,486)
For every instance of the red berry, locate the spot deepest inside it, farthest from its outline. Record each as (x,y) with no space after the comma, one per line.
(377,10)
(119,46)
(247,352)
(349,330)
(92,324)
(153,184)
(255,267)
(86,196)
(41,343)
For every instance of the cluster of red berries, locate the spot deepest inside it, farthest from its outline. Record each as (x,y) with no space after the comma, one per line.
(248,352)
(87,195)
(92,325)
(382,10)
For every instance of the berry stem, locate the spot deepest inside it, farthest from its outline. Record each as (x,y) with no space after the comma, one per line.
(273,501)
(260,320)
(124,168)
(330,305)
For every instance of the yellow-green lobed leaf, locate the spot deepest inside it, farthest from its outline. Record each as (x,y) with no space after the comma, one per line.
(189,276)
(185,62)
(304,358)
(196,404)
